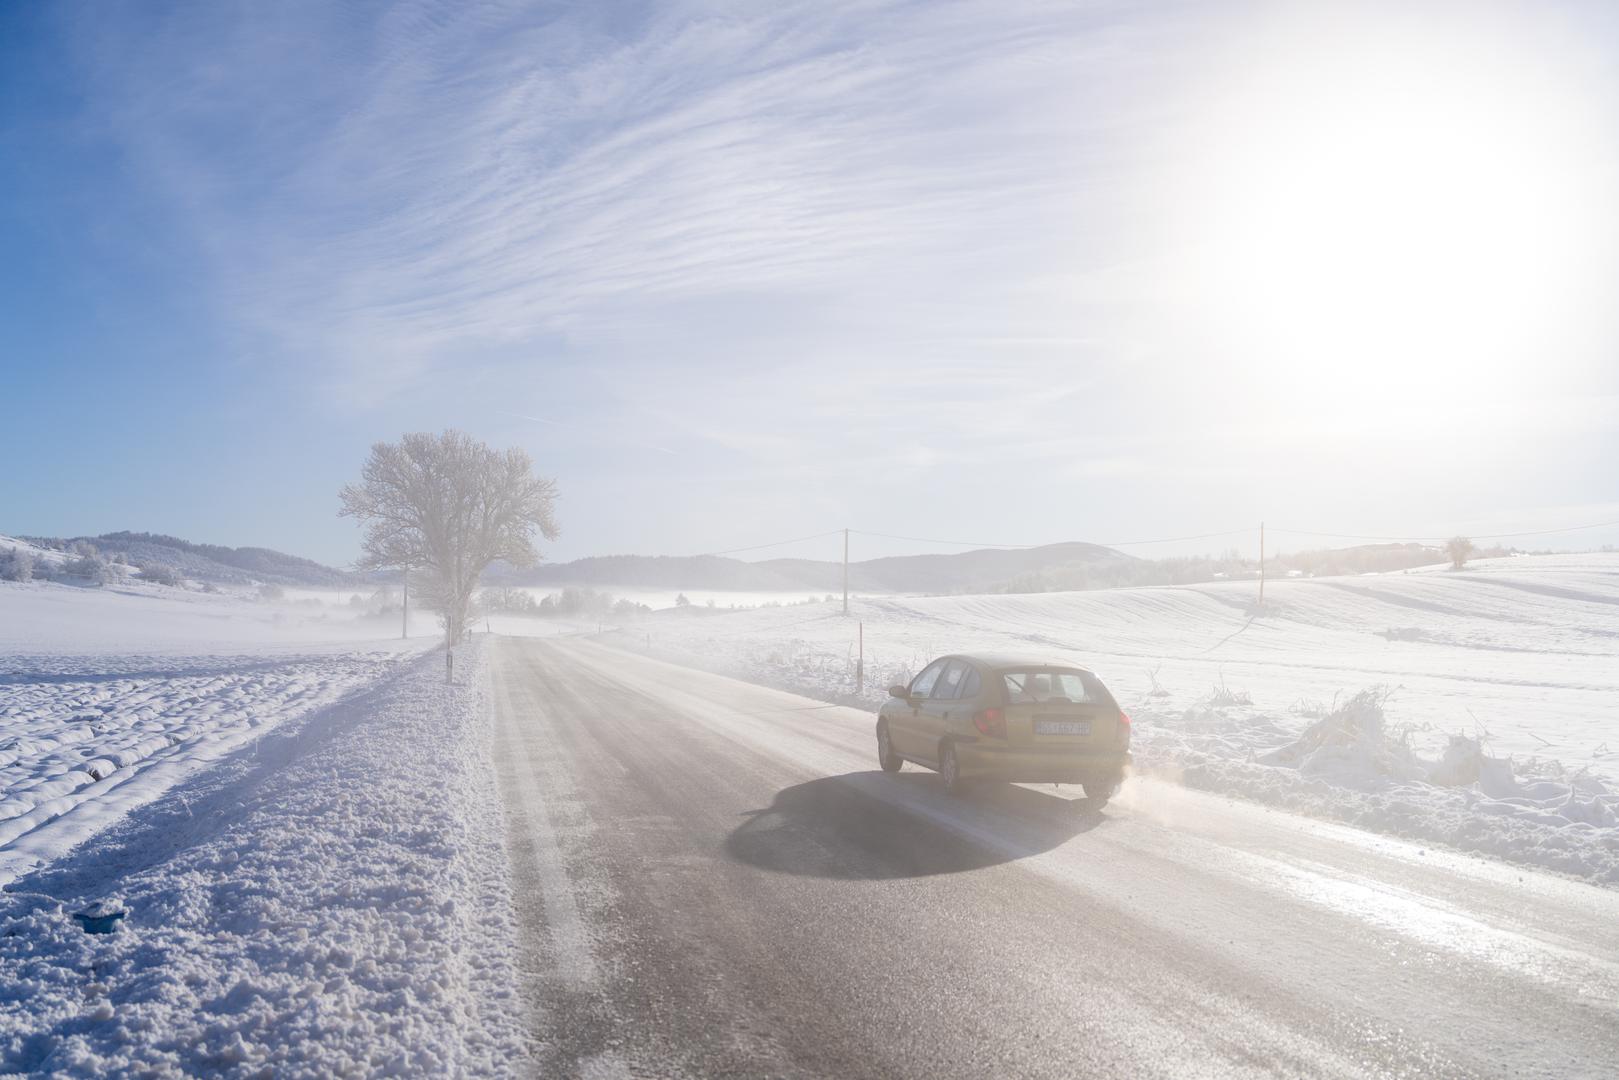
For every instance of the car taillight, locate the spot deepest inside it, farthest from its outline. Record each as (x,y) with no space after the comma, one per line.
(991,722)
(1124,728)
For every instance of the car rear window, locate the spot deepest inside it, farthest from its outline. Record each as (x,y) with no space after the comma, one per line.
(1039,687)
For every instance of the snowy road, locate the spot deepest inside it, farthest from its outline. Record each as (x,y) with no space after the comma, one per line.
(713,879)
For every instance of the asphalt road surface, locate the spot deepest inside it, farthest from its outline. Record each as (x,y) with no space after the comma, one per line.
(713,879)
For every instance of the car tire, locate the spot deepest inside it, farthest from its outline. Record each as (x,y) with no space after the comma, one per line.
(950,771)
(1100,791)
(886,757)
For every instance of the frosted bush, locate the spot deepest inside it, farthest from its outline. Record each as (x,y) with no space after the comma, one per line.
(16,565)
(160,574)
(89,564)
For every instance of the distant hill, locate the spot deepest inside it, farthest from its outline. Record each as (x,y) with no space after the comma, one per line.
(980,570)
(984,570)
(211,562)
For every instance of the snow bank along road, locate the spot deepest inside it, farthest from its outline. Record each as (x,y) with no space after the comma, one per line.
(329,899)
(713,879)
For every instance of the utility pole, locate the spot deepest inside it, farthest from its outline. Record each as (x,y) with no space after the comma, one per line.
(1261,562)
(404,610)
(845,572)
(860,665)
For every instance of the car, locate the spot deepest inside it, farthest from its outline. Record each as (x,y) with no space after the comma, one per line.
(1009,718)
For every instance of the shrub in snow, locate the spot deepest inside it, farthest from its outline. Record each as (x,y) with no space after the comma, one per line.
(1353,737)
(88,563)
(160,574)
(513,601)
(272,593)
(1459,548)
(1224,695)
(16,565)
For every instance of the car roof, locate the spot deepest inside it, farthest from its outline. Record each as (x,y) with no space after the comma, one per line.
(1013,661)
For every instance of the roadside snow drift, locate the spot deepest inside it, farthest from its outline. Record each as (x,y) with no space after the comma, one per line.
(331,900)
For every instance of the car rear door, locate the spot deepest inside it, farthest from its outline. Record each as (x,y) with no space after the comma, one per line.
(1059,709)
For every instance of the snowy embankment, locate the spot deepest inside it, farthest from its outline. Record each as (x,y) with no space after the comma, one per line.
(331,900)
(1489,722)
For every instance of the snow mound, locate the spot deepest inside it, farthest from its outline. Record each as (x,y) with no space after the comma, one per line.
(331,900)
(1352,740)
(1354,767)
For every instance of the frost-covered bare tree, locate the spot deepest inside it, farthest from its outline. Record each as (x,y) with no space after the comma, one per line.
(1458,548)
(449,505)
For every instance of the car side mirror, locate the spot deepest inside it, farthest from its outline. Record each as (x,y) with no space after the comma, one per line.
(900,692)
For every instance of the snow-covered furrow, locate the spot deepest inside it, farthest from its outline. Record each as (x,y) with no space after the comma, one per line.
(85,738)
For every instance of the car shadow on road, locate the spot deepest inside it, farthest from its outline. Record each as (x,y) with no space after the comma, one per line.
(873,825)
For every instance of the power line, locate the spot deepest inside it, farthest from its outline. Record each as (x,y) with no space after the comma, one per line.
(948,543)
(1117,543)
(1177,539)
(1441,539)
(761,547)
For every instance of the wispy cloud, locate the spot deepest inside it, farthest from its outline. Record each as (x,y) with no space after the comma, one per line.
(452,178)
(785,260)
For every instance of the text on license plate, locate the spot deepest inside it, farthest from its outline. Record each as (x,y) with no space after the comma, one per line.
(1062,727)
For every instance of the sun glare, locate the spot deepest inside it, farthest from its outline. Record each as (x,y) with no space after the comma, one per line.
(1407,212)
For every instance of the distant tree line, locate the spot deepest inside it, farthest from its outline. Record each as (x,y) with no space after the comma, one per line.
(84,562)
(1197,569)
(572,602)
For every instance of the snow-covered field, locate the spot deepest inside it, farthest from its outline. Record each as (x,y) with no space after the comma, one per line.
(330,901)
(109,696)
(1496,728)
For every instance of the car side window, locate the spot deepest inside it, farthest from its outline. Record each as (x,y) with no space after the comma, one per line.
(970,685)
(922,685)
(949,684)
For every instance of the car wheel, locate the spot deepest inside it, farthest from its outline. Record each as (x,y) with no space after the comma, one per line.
(950,771)
(886,757)
(1100,791)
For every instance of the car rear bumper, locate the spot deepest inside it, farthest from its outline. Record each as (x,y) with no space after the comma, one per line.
(979,760)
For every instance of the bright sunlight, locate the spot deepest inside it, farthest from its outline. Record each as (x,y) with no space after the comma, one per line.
(1374,215)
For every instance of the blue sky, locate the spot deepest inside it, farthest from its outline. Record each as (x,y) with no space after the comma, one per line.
(998,271)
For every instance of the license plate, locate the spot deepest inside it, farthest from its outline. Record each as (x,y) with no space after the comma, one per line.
(1062,727)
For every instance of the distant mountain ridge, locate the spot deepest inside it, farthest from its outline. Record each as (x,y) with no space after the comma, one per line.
(980,570)
(984,569)
(211,562)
